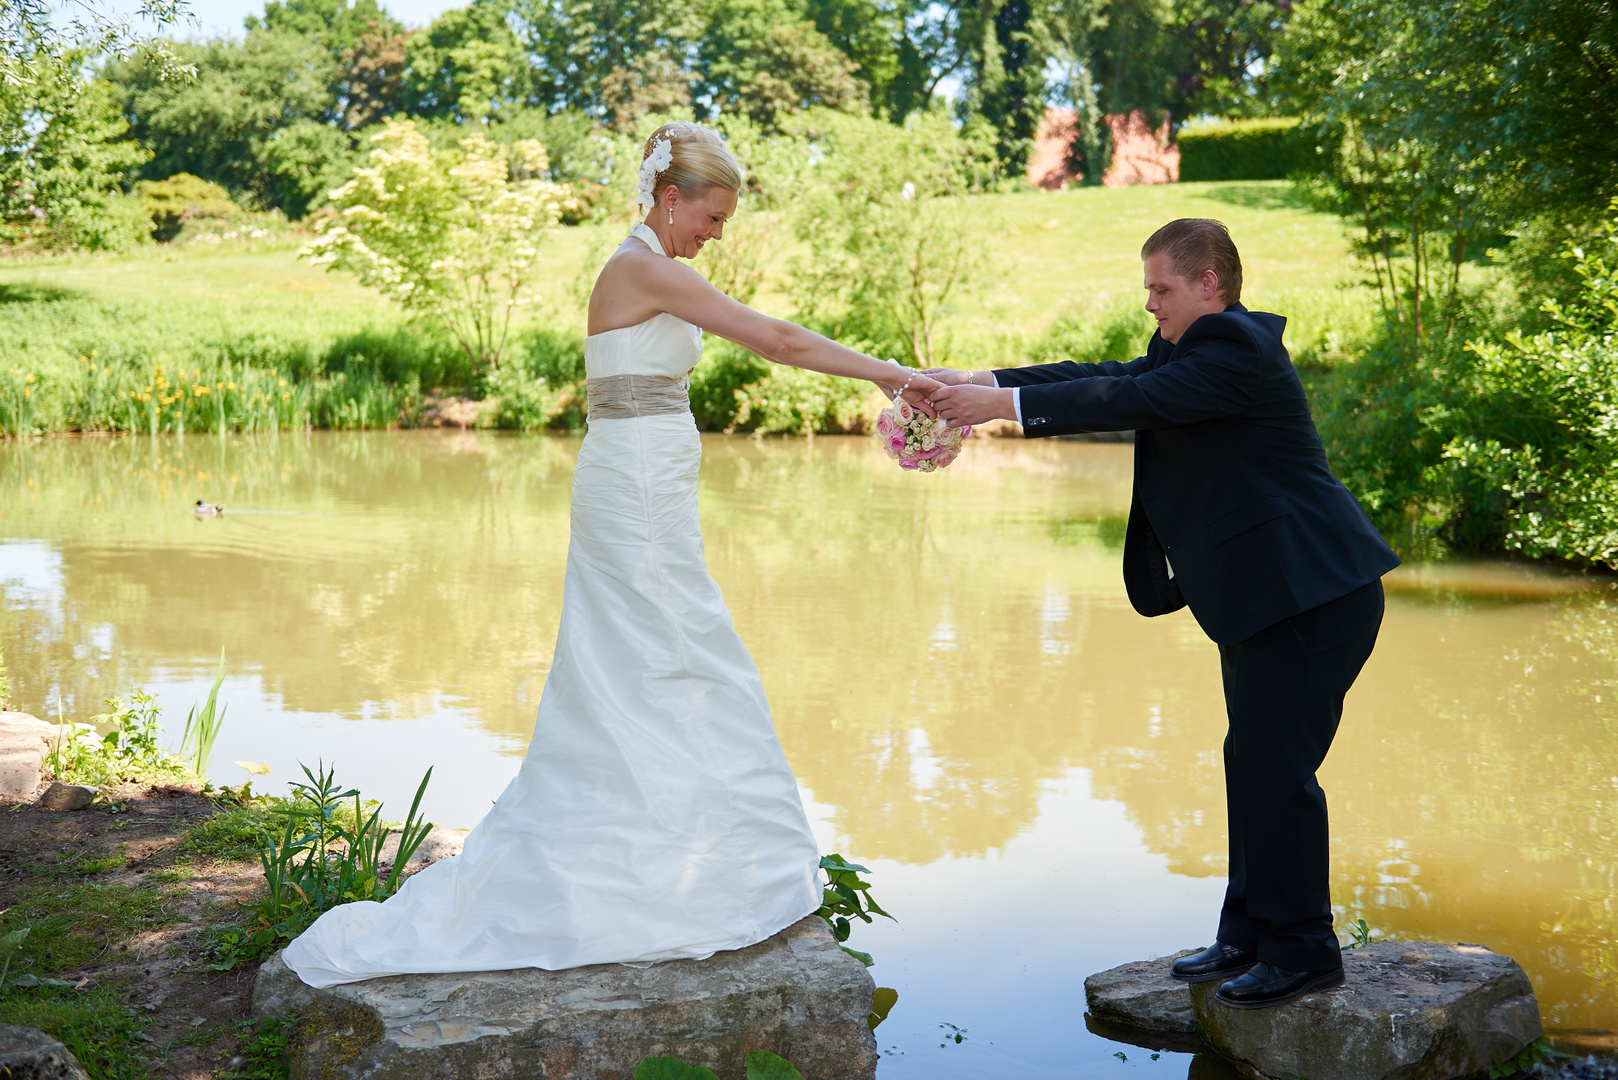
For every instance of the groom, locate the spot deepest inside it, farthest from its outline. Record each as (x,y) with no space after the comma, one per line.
(1236,514)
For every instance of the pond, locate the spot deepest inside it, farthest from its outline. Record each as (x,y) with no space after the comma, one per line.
(972,709)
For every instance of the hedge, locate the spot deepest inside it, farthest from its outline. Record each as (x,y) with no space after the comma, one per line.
(1267,149)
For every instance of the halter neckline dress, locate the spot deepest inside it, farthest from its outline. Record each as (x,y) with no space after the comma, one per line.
(655,816)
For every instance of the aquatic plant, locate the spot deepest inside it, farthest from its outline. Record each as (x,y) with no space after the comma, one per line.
(202,727)
(845,895)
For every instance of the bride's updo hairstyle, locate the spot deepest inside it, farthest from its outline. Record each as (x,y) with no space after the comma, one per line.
(700,161)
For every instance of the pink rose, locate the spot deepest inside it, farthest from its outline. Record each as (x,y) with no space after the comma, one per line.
(902,411)
(884,423)
(896,440)
(909,464)
(930,453)
(944,460)
(966,432)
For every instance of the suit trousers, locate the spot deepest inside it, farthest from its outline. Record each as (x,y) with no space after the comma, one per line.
(1284,689)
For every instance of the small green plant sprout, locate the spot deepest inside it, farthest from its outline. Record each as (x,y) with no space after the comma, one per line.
(846,895)
(328,853)
(1538,1052)
(9,946)
(882,1003)
(1359,935)
(202,727)
(951,1032)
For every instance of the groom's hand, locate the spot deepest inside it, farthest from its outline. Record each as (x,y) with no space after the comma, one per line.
(966,404)
(948,376)
(920,394)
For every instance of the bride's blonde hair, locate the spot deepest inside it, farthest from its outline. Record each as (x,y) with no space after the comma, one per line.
(700,161)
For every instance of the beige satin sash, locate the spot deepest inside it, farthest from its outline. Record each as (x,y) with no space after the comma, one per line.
(620,397)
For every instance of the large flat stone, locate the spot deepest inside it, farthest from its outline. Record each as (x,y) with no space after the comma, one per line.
(1408,1011)
(29,1054)
(797,995)
(24,741)
(1143,995)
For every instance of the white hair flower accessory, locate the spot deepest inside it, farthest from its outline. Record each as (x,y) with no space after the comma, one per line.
(661,157)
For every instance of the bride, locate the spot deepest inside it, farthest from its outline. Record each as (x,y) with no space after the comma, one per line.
(655,816)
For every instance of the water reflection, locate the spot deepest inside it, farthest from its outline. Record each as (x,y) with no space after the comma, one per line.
(956,674)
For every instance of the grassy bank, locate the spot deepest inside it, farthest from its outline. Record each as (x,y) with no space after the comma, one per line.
(252,338)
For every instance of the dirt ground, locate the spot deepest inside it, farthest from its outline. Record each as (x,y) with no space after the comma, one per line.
(121,906)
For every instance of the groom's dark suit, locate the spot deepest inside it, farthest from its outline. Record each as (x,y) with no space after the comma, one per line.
(1236,514)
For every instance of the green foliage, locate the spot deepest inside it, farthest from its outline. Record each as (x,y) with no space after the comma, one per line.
(761,58)
(202,726)
(890,240)
(327,853)
(1498,441)
(62,155)
(95,1024)
(1536,1053)
(233,833)
(1115,333)
(5,681)
(448,235)
(763,1065)
(10,945)
(128,752)
(1007,50)
(180,199)
(242,122)
(845,896)
(264,1048)
(1359,935)
(1263,149)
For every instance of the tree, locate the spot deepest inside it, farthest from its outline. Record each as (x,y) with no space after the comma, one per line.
(603,56)
(336,24)
(889,243)
(371,83)
(759,58)
(61,167)
(1006,88)
(221,125)
(449,235)
(1073,25)
(467,65)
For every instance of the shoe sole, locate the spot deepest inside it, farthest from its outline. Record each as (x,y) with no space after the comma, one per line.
(1227,973)
(1322,983)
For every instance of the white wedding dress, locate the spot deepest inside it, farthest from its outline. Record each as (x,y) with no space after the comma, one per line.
(655,816)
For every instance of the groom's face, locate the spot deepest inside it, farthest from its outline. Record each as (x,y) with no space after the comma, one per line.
(1176,302)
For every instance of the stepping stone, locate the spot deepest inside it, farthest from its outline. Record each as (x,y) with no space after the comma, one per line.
(1408,1011)
(29,1054)
(797,995)
(24,741)
(1141,995)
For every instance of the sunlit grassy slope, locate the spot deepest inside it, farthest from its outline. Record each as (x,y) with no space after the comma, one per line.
(1049,254)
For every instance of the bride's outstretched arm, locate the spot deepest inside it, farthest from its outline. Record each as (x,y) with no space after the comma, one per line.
(681,291)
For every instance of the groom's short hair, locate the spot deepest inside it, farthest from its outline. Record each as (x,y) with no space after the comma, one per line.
(1197,244)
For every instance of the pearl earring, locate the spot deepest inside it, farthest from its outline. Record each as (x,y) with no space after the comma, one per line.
(671,215)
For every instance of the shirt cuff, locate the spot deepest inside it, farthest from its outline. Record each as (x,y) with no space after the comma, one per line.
(1016,395)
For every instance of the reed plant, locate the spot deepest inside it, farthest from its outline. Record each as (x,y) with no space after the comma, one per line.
(202,726)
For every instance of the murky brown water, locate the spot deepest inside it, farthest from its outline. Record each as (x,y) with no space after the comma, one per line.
(973,710)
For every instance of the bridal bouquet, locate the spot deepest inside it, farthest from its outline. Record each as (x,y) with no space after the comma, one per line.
(918,442)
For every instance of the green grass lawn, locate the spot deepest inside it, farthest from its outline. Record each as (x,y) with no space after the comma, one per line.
(82,336)
(1050,253)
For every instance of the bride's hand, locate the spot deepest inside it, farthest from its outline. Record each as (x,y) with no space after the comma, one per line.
(948,376)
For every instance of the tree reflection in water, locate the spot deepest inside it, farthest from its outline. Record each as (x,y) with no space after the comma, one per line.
(939,652)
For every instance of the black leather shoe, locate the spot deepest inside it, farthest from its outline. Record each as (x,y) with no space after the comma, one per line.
(1267,985)
(1217,961)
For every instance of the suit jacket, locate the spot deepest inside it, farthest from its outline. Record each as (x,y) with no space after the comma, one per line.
(1231,481)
